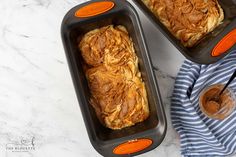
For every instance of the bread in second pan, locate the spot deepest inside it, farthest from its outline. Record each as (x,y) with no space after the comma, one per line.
(118,93)
(187,20)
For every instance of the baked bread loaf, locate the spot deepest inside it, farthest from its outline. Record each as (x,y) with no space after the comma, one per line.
(187,20)
(118,93)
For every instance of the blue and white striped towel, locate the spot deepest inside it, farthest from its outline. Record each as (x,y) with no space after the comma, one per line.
(200,135)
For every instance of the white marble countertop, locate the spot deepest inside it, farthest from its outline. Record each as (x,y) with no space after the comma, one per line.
(38,105)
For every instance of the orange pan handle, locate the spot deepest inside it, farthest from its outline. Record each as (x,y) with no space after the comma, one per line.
(224,44)
(132,146)
(94,8)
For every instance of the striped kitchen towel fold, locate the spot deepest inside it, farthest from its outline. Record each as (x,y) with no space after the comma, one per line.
(200,135)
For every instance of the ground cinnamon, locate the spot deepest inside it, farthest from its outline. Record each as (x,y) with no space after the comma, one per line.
(213,108)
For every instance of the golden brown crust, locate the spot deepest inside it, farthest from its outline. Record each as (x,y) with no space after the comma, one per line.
(187,20)
(118,92)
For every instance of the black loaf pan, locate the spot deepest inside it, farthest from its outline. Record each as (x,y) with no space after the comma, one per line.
(132,140)
(203,52)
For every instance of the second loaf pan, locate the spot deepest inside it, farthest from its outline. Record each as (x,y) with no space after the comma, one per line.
(213,46)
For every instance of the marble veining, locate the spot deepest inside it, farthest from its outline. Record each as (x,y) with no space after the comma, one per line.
(39,112)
